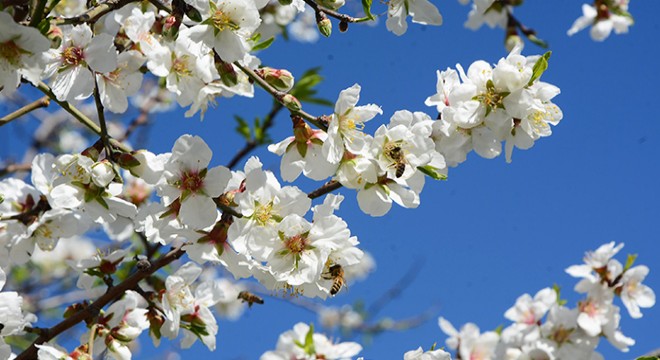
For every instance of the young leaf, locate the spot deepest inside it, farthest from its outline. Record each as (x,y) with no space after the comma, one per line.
(263,45)
(243,128)
(540,66)
(366,6)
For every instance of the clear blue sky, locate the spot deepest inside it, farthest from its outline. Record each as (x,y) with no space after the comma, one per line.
(492,231)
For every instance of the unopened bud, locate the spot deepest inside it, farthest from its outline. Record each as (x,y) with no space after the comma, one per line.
(227,72)
(291,102)
(343,26)
(102,173)
(171,27)
(325,27)
(55,36)
(511,41)
(280,79)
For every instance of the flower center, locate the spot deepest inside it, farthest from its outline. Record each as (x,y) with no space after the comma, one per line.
(222,21)
(561,335)
(262,213)
(73,56)
(296,244)
(180,66)
(588,307)
(11,52)
(192,181)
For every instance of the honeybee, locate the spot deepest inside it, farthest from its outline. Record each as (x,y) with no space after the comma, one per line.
(336,274)
(395,152)
(250,298)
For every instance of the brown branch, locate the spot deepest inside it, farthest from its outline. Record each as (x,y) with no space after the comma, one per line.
(40,103)
(337,15)
(12,168)
(318,121)
(328,187)
(92,310)
(82,118)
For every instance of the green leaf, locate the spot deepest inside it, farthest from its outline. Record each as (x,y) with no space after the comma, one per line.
(499,329)
(648,358)
(309,341)
(540,67)
(263,45)
(630,261)
(366,6)
(243,128)
(432,172)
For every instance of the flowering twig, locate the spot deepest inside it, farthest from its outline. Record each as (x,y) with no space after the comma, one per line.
(92,310)
(37,104)
(279,96)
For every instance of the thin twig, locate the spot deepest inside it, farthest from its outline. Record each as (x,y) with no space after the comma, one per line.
(101,116)
(40,103)
(397,289)
(328,187)
(12,168)
(79,115)
(278,95)
(337,15)
(253,144)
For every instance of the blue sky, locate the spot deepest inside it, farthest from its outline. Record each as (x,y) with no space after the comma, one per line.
(492,231)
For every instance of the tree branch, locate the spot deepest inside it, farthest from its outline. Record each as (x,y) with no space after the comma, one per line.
(278,95)
(79,115)
(92,310)
(253,144)
(328,187)
(40,103)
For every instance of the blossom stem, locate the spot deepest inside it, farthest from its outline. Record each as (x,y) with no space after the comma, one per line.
(278,95)
(79,115)
(37,104)
(38,13)
(92,310)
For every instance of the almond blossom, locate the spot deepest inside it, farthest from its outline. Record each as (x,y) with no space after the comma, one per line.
(21,53)
(190,181)
(70,64)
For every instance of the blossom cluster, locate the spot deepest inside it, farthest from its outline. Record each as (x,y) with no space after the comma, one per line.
(478,110)
(193,55)
(544,327)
